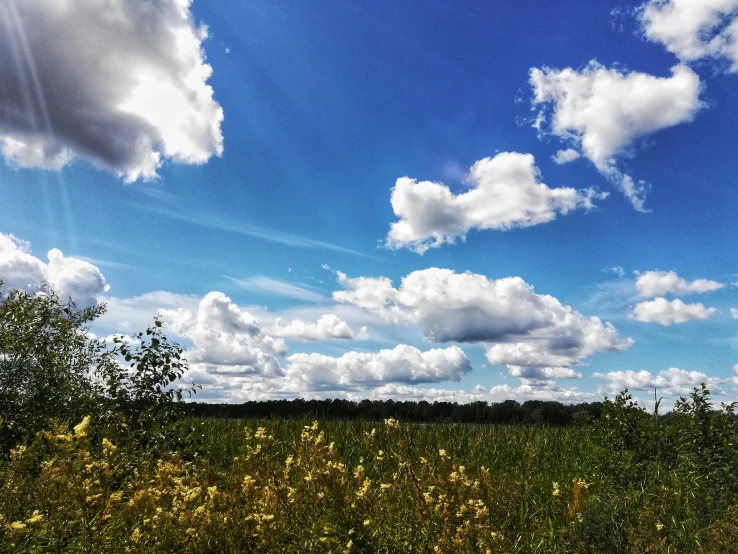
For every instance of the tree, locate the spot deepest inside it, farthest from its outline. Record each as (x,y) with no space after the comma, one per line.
(51,367)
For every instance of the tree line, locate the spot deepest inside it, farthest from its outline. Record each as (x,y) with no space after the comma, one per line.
(507,412)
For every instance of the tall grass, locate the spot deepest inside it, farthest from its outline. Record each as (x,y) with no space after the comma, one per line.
(278,485)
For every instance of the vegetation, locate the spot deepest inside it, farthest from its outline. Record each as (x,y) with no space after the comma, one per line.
(509,411)
(96,456)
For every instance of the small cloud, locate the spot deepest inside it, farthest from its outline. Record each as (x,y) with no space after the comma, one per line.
(227,50)
(734,313)
(289,270)
(565,156)
(616,269)
(325,266)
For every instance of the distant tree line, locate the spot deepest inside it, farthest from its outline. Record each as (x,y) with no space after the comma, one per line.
(509,411)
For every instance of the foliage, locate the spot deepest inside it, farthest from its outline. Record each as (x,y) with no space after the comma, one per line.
(509,411)
(45,359)
(284,485)
(50,367)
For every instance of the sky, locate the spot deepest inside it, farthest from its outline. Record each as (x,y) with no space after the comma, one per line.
(429,200)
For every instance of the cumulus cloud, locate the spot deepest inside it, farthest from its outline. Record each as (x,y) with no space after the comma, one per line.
(694,29)
(227,339)
(660,283)
(126,94)
(665,312)
(402,364)
(565,156)
(668,381)
(506,192)
(734,313)
(601,112)
(543,373)
(328,327)
(68,276)
(518,326)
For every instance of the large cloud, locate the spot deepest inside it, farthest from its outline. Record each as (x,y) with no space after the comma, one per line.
(668,381)
(69,277)
(601,112)
(327,327)
(119,83)
(505,193)
(227,339)
(694,29)
(519,327)
(660,283)
(402,364)
(665,312)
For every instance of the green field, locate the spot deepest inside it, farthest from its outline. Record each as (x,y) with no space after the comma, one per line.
(626,484)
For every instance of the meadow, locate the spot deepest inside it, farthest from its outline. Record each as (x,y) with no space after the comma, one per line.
(279,485)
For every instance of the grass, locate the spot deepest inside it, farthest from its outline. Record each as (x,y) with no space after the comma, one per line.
(279,485)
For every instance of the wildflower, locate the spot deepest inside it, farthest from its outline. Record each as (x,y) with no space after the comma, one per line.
(248,483)
(108,447)
(349,544)
(380,456)
(556,491)
(392,423)
(15,526)
(136,536)
(260,433)
(442,453)
(80,430)
(367,522)
(659,526)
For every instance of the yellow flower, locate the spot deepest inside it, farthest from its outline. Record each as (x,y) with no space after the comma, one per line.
(80,430)
(349,544)
(556,491)
(367,522)
(659,526)
(442,453)
(15,526)
(108,447)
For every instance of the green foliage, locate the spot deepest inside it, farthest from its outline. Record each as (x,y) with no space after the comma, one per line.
(50,368)
(45,359)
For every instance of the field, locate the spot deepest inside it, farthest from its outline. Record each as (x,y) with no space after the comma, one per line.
(625,484)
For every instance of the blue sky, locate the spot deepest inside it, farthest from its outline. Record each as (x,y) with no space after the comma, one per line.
(289,161)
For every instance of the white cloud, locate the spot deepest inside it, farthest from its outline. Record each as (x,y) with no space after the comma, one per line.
(518,326)
(275,287)
(227,339)
(665,312)
(617,270)
(543,373)
(565,156)
(126,94)
(734,313)
(672,381)
(402,364)
(506,193)
(68,276)
(694,29)
(660,283)
(603,111)
(328,327)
